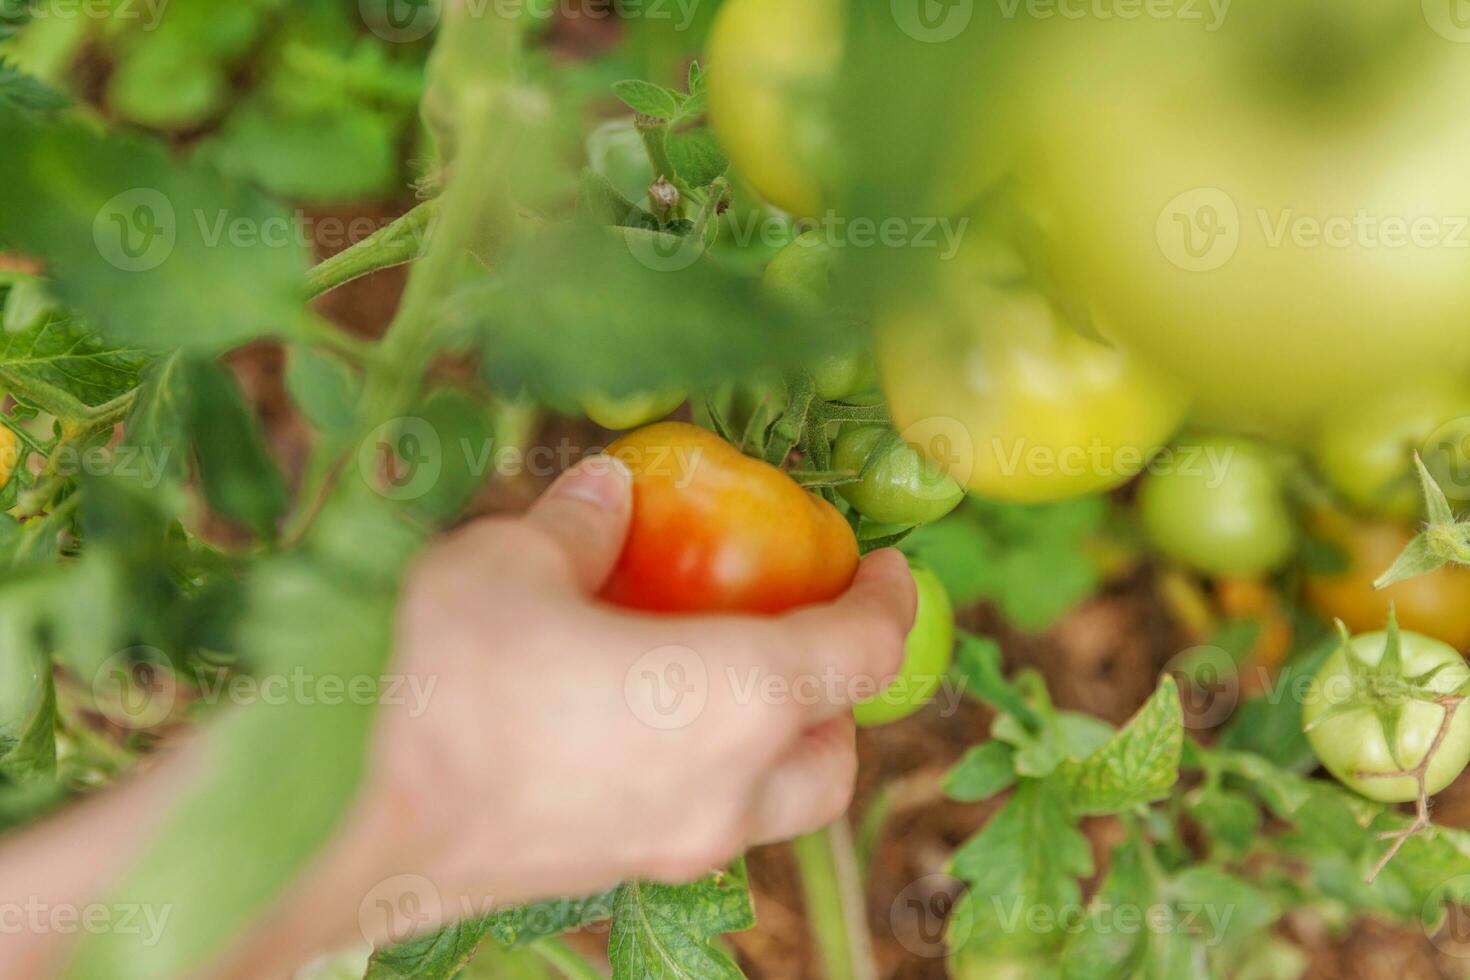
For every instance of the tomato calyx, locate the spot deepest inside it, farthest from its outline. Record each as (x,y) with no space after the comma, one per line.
(1383,689)
(1444,539)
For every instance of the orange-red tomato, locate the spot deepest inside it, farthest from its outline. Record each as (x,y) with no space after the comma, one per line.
(1436,605)
(716,531)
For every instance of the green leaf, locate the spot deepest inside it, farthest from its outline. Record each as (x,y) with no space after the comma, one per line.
(27,305)
(1100,950)
(663,932)
(239,478)
(634,318)
(279,775)
(525,924)
(300,156)
(324,387)
(648,98)
(1230,820)
(1026,859)
(1271,725)
(1417,558)
(56,354)
(24,94)
(153,255)
(977,666)
(27,695)
(438,956)
(600,203)
(1139,765)
(697,156)
(157,423)
(982,772)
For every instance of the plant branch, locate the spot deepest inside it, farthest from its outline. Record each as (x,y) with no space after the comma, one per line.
(565,959)
(832,887)
(1450,704)
(400,242)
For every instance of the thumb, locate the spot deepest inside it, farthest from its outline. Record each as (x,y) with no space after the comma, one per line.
(586,512)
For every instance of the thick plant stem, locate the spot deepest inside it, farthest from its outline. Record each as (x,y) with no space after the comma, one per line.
(832,887)
(565,960)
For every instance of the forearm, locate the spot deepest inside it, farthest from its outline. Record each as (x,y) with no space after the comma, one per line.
(55,876)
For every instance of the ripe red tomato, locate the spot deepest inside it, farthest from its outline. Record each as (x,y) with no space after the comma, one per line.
(716,531)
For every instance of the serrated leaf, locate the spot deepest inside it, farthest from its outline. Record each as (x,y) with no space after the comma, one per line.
(1028,857)
(438,956)
(697,156)
(663,932)
(1139,765)
(157,422)
(1229,819)
(58,354)
(982,772)
(25,94)
(648,98)
(525,924)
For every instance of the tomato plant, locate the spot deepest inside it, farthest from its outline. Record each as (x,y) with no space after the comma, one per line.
(801,277)
(1017,405)
(926,660)
(1377,708)
(716,531)
(1436,604)
(1229,516)
(899,487)
(1297,257)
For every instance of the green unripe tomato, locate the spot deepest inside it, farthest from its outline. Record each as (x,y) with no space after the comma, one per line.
(927,656)
(632,411)
(902,488)
(1354,743)
(1219,508)
(1367,451)
(800,278)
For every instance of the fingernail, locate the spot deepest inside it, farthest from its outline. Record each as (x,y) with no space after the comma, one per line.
(602,481)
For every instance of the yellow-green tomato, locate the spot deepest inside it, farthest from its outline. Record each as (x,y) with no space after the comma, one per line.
(631,411)
(1366,450)
(771,73)
(1219,505)
(927,656)
(1272,207)
(1354,743)
(902,488)
(802,278)
(1015,404)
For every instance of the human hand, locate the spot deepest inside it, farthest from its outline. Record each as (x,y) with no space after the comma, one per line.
(568,745)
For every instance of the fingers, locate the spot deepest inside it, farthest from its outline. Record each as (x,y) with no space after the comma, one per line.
(808,788)
(585,514)
(856,644)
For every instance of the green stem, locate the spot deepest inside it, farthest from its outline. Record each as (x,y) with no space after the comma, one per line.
(473,194)
(396,244)
(832,890)
(564,958)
